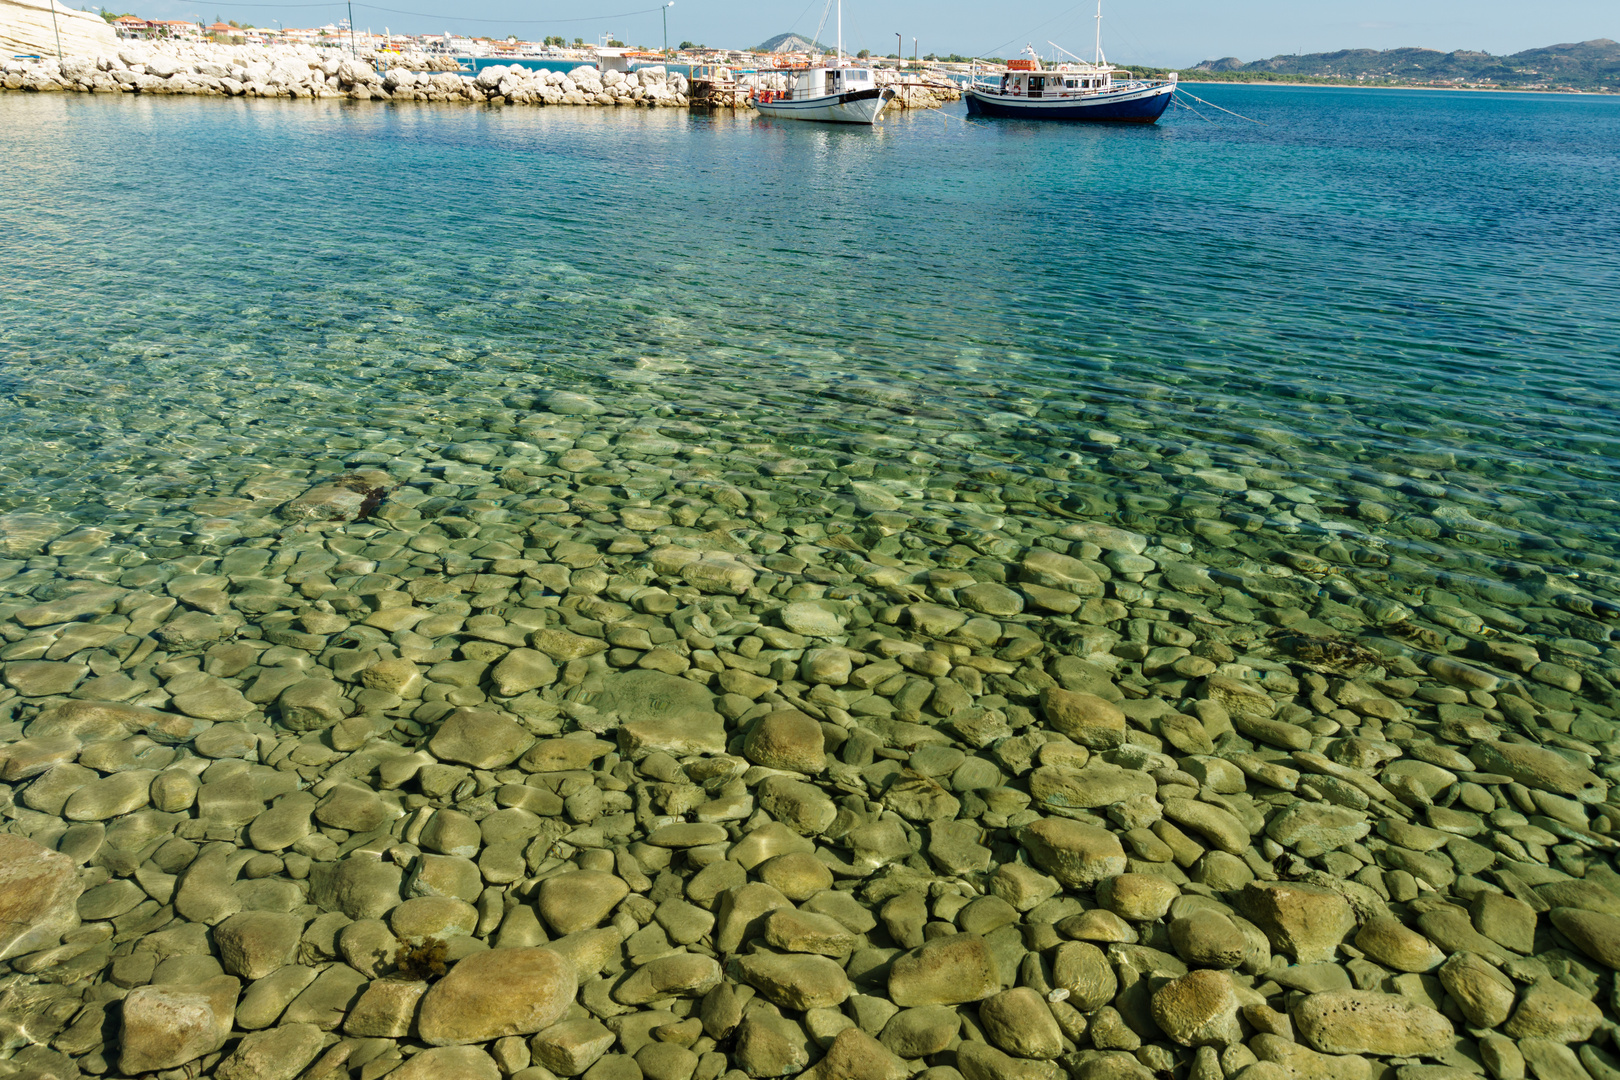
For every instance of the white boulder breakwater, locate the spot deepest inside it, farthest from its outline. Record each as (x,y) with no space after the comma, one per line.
(308,72)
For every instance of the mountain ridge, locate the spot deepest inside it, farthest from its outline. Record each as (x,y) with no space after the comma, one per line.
(789,42)
(1580,65)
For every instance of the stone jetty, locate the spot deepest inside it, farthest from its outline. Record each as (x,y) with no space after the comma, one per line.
(307,72)
(589,743)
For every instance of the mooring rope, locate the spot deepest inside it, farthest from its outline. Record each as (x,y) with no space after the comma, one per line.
(1212,105)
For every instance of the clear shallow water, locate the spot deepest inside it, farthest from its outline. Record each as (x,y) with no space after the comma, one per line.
(1380,329)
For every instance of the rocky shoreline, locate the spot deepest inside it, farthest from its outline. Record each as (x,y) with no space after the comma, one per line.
(306,72)
(578,749)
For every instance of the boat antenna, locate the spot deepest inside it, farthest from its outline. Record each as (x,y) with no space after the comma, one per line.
(1099,62)
(1062,50)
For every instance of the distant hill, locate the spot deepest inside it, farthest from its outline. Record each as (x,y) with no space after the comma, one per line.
(787,43)
(1585,65)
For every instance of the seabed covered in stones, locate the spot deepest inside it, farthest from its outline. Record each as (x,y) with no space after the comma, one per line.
(598,743)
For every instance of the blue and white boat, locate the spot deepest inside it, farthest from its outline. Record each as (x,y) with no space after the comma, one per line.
(1095,91)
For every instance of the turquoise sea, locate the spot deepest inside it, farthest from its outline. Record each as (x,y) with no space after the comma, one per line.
(350,452)
(1403,305)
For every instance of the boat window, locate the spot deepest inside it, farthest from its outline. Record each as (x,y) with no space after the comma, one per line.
(1070,84)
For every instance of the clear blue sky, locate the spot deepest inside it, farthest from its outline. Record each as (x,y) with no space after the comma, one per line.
(1167,32)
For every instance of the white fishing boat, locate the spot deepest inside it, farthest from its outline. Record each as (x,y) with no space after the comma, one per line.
(833,92)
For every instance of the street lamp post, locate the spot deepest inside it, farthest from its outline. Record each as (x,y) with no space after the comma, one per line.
(899,51)
(665,12)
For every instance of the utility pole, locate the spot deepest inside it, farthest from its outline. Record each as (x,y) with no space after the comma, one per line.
(352,51)
(56,27)
(666,27)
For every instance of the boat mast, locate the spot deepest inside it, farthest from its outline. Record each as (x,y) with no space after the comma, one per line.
(1099,34)
(841,31)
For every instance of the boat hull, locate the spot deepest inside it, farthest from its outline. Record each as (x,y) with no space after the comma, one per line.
(855,107)
(1143,106)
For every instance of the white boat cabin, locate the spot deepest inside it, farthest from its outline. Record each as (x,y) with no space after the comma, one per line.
(824,82)
(1066,81)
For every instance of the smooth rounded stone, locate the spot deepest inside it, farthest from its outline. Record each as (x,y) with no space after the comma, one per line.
(1506,920)
(920,1032)
(796,982)
(287,821)
(802,807)
(803,932)
(981,1061)
(948,970)
(44,678)
(797,875)
(497,993)
(564,755)
(1311,829)
(450,832)
(217,702)
(253,944)
(662,712)
(1539,768)
(1482,992)
(1549,1059)
(677,975)
(231,802)
(1594,933)
(110,900)
(312,705)
(327,1000)
(767,1045)
(1019,1022)
(686,834)
(787,740)
(39,896)
(766,842)
(1088,719)
(368,946)
(852,1055)
(1199,1009)
(423,917)
(386,1009)
(1584,895)
(353,807)
(814,619)
(360,886)
(1094,785)
(579,899)
(479,738)
(522,670)
(1368,1022)
(397,676)
(1219,827)
(1387,941)
(1137,897)
(954,847)
(571,1047)
(589,950)
(1550,1010)
(111,796)
(1306,1064)
(1206,938)
(277,1054)
(1078,855)
(203,890)
(164,1027)
(1306,921)
(1084,971)
(449,1063)
(266,999)
(28,758)
(1022,886)
(445,875)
